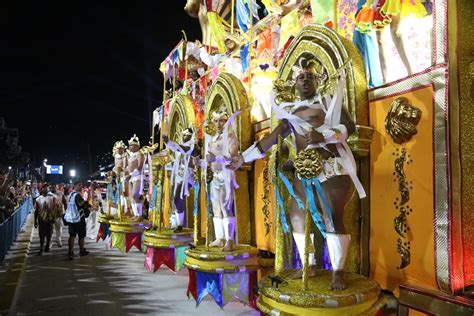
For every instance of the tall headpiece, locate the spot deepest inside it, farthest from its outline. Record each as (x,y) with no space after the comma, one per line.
(134,140)
(187,132)
(222,113)
(309,65)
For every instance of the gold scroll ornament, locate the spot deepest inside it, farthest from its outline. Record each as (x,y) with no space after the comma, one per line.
(400,124)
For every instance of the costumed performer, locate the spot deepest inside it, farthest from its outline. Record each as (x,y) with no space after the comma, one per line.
(135,177)
(222,147)
(318,123)
(182,172)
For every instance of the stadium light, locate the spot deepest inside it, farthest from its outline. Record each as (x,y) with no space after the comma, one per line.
(72,173)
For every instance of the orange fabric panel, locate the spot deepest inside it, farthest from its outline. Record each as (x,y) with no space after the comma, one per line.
(384,258)
(264,240)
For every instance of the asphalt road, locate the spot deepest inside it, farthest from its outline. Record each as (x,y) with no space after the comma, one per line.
(105,283)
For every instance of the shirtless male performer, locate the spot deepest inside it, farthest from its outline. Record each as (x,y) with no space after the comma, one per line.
(183,172)
(135,163)
(222,148)
(338,166)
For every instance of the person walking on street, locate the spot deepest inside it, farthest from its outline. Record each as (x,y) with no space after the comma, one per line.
(59,204)
(95,199)
(44,219)
(75,218)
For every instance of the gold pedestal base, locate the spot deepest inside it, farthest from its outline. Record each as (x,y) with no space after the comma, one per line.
(128,226)
(242,258)
(362,296)
(105,219)
(166,238)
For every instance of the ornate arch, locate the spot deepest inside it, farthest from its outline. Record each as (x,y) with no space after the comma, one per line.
(228,91)
(181,116)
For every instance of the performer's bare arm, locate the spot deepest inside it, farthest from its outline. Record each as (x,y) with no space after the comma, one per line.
(233,145)
(283,129)
(141,161)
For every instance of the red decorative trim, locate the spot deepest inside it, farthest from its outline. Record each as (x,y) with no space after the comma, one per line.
(458,300)
(427,70)
(403,92)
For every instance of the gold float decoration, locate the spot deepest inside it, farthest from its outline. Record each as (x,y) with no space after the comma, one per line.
(333,53)
(309,163)
(266,197)
(400,222)
(401,120)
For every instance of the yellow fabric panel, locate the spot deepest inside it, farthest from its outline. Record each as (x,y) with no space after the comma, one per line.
(203,203)
(264,241)
(166,202)
(384,258)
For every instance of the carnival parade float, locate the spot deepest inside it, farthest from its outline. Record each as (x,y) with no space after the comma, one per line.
(314,155)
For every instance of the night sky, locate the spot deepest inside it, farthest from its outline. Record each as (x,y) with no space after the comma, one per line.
(83,74)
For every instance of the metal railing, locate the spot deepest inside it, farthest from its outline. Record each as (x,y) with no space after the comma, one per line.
(11,227)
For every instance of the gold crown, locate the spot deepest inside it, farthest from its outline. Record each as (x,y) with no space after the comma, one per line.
(134,140)
(220,114)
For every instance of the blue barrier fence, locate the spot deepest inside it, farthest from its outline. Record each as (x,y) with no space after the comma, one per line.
(11,227)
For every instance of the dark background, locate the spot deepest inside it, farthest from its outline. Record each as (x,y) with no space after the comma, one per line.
(77,76)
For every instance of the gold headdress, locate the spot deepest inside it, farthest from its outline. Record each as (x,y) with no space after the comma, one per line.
(309,65)
(134,140)
(187,132)
(222,113)
(117,145)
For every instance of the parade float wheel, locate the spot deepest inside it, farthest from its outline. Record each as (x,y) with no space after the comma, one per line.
(213,259)
(362,296)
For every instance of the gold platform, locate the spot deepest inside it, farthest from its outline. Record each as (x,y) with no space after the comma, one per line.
(128,226)
(242,258)
(105,219)
(166,238)
(362,297)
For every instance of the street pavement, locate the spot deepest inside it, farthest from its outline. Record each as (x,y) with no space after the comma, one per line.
(105,283)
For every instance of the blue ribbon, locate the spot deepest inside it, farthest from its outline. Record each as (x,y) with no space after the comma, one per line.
(318,220)
(244,57)
(208,199)
(160,201)
(319,189)
(290,189)
(117,193)
(197,187)
(154,196)
(284,223)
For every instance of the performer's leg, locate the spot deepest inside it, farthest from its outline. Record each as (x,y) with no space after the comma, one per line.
(217,216)
(49,233)
(70,242)
(297,217)
(58,228)
(228,220)
(42,235)
(138,214)
(338,191)
(180,204)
